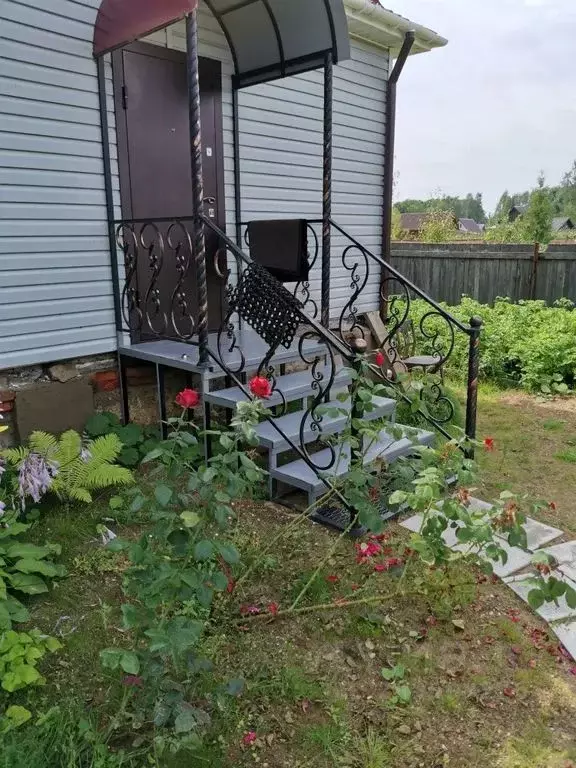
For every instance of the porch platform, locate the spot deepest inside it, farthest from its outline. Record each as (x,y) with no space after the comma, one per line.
(185,355)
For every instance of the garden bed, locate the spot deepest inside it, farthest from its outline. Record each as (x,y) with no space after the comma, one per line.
(377,666)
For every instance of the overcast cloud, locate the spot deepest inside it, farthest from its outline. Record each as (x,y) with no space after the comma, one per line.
(494,107)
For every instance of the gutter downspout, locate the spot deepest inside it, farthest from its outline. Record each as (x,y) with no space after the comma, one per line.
(389,140)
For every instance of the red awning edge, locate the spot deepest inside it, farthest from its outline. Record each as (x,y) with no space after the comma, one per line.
(120,22)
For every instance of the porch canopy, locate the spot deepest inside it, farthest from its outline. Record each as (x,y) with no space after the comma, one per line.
(268,39)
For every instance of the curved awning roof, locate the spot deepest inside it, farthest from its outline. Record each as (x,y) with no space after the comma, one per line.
(120,22)
(267,38)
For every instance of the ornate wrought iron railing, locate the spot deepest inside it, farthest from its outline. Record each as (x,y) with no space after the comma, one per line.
(157,296)
(424,341)
(433,327)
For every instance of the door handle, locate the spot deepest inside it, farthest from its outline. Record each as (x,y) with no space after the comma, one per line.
(211,202)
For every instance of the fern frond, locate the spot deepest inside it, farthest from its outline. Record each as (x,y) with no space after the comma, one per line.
(107,475)
(43,443)
(15,455)
(78,494)
(105,449)
(78,473)
(68,449)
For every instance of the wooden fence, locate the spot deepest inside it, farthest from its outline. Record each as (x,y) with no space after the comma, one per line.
(485,271)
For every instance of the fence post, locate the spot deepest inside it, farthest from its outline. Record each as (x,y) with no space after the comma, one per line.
(534,275)
(472,388)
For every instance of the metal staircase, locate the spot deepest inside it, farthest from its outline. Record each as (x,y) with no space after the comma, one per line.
(266,328)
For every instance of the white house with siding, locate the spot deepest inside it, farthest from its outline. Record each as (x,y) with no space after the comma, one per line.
(56,289)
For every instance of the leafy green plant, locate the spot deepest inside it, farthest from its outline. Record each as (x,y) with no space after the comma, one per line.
(20,653)
(526,344)
(24,568)
(137,441)
(77,468)
(396,677)
(178,568)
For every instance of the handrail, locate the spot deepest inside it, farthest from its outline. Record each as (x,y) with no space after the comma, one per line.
(409,284)
(465,328)
(342,348)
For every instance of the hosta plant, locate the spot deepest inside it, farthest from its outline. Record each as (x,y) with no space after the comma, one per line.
(24,569)
(20,653)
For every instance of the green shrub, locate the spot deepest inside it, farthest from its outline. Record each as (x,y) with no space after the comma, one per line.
(527,344)
(137,441)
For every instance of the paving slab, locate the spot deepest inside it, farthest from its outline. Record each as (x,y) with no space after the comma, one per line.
(564,554)
(566,633)
(549,611)
(517,558)
(414,524)
(569,570)
(540,534)
(537,534)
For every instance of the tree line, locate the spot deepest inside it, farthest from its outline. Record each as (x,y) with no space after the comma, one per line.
(539,206)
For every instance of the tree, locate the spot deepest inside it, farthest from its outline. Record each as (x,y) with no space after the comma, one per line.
(469,207)
(503,208)
(538,217)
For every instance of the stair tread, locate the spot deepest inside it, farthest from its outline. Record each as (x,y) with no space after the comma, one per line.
(290,423)
(298,474)
(292,385)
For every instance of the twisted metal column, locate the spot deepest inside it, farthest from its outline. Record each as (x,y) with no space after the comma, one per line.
(472,390)
(359,346)
(197,183)
(327,188)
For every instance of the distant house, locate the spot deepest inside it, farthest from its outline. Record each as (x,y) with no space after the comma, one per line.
(516,211)
(470,227)
(414,223)
(562,224)
(559,223)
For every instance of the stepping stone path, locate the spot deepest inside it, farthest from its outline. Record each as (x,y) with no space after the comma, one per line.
(561,618)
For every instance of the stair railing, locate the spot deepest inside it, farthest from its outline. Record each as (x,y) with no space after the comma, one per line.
(436,327)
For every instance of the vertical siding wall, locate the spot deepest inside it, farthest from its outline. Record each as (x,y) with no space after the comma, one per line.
(281,158)
(55,286)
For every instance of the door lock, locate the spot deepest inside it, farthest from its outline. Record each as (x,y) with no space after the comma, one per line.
(211,201)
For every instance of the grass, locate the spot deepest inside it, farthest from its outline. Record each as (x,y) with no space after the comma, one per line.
(534,453)
(485,692)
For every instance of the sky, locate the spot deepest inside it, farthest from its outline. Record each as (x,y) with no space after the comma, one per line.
(493,108)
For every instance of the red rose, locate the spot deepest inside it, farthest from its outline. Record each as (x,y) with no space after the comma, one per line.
(261,387)
(380,359)
(188,398)
(273,608)
(249,738)
(489,443)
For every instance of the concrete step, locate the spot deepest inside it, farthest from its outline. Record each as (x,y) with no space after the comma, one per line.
(291,424)
(297,474)
(293,386)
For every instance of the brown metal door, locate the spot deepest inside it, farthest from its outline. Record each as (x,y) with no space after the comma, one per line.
(154,159)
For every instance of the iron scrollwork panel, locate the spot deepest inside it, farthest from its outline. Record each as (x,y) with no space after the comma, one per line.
(417,341)
(158,293)
(355,261)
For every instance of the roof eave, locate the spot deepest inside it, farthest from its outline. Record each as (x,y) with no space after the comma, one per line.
(374,24)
